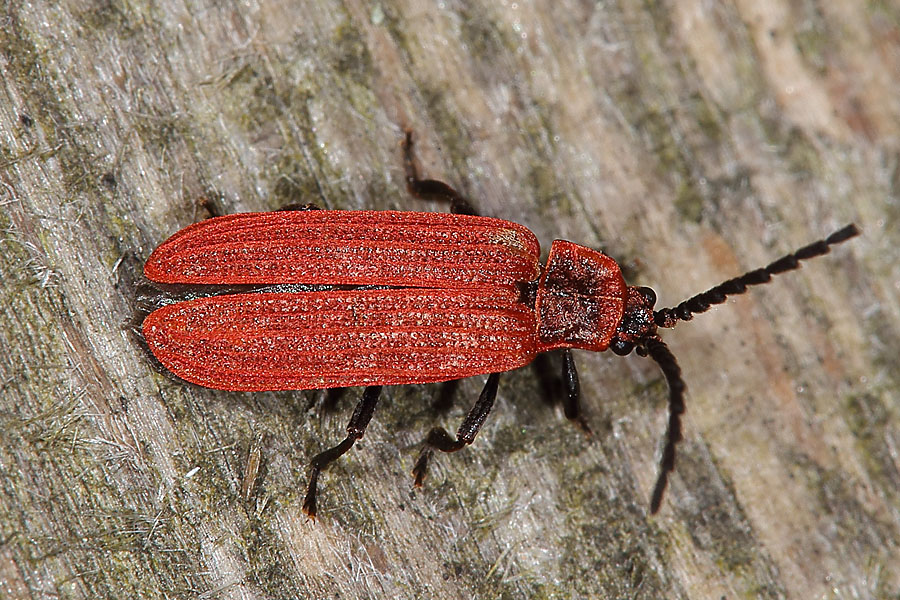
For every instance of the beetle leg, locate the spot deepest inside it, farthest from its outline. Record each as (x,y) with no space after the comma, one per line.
(446,393)
(571,403)
(362,414)
(299,206)
(430,189)
(439,439)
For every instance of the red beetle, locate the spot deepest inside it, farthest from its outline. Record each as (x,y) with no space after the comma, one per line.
(365,298)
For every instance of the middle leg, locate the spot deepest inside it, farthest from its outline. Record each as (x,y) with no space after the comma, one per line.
(439,439)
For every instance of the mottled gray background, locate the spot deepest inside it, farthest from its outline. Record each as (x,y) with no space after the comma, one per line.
(688,139)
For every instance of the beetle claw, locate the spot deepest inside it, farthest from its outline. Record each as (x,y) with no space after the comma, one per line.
(421,469)
(309,503)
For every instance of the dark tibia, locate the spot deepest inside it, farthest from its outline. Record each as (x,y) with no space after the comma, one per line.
(439,439)
(430,189)
(355,430)
(446,393)
(658,351)
(571,403)
(667,317)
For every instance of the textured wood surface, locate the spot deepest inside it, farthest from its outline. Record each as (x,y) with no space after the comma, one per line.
(691,140)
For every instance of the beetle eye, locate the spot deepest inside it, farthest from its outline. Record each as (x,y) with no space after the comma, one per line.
(649,295)
(621,348)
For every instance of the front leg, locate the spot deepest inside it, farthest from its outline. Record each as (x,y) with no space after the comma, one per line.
(572,401)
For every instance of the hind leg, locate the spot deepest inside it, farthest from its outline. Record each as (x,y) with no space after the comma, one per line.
(355,430)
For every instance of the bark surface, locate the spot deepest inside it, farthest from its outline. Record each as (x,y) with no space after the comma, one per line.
(689,140)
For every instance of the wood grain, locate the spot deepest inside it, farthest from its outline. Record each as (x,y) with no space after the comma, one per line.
(691,140)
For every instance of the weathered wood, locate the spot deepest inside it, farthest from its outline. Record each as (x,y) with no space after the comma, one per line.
(690,140)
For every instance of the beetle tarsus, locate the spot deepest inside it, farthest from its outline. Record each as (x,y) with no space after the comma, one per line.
(439,439)
(309,503)
(431,189)
(362,414)
(421,469)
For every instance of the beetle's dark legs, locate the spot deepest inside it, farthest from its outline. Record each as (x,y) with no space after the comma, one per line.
(439,439)
(571,403)
(298,206)
(355,430)
(659,352)
(430,189)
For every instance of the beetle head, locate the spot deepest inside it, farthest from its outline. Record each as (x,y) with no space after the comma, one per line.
(637,324)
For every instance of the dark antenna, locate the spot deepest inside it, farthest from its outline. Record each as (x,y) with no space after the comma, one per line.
(668,317)
(658,351)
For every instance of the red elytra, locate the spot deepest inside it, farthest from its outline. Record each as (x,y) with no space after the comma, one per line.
(408,297)
(456,308)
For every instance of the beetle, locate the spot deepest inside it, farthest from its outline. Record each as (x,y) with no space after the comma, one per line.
(372,298)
